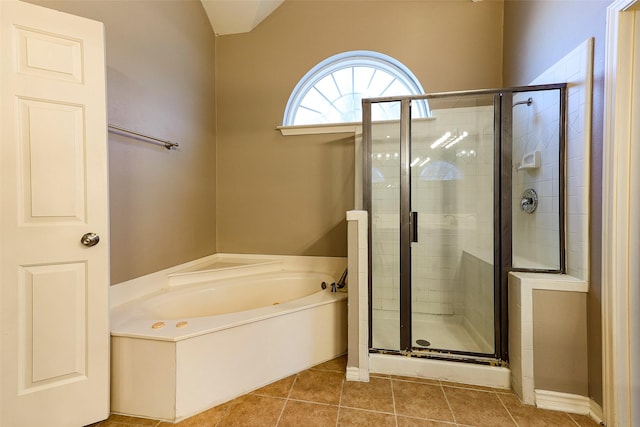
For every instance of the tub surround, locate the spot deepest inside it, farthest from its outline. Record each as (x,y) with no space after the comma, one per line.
(219,266)
(191,364)
(358,324)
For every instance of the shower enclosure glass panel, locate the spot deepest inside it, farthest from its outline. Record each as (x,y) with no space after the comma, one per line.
(538,170)
(452,256)
(385,229)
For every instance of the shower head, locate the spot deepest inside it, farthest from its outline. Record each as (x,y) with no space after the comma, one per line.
(528,102)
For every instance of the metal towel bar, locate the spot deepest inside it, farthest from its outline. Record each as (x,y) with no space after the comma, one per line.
(167,144)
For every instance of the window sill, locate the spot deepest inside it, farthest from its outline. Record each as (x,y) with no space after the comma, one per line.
(354,128)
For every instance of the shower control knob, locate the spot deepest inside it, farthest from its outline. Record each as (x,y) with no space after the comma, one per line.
(90,239)
(525,203)
(529,201)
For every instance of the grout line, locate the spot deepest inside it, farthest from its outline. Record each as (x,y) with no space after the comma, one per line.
(335,405)
(431,420)
(293,383)
(282,411)
(286,399)
(393,400)
(227,411)
(507,409)
(368,410)
(573,419)
(340,400)
(453,414)
(415,381)
(257,394)
(324,370)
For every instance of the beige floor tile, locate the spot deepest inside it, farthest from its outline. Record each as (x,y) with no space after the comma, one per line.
(318,386)
(358,418)
(308,414)
(208,418)
(584,421)
(373,374)
(338,364)
(530,416)
(374,395)
(253,411)
(468,386)
(417,422)
(477,408)
(421,401)
(108,423)
(416,380)
(277,389)
(117,420)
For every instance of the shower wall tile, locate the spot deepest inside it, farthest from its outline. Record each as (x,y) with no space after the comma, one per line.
(535,242)
(477,279)
(577,70)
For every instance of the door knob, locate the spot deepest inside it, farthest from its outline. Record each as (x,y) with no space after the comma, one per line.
(90,239)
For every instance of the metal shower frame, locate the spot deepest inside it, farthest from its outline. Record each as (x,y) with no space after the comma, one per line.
(503,119)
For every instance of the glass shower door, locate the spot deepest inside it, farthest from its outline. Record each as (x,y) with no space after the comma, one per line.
(431,204)
(452,199)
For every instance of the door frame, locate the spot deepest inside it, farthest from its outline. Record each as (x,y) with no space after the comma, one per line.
(621,217)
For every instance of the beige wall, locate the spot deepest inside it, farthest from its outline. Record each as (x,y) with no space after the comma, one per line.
(560,341)
(289,194)
(160,82)
(537,33)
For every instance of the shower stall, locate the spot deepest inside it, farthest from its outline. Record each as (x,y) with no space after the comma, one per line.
(461,188)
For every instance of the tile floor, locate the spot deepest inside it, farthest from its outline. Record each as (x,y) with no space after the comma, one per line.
(321,397)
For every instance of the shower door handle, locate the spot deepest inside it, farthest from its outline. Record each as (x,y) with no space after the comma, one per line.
(414,227)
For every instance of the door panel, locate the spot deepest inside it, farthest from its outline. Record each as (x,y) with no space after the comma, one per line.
(48,55)
(54,331)
(55,351)
(51,130)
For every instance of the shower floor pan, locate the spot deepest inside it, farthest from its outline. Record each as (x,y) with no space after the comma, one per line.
(445,332)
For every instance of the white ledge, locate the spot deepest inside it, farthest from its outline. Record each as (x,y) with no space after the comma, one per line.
(551,282)
(354,127)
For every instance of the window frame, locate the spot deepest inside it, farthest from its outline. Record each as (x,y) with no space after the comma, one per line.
(344,60)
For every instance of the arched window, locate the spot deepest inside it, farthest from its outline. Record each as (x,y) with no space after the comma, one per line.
(331,92)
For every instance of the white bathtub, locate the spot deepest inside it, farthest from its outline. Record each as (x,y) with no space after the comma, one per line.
(179,350)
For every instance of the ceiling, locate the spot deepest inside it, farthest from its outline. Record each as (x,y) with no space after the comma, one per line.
(237,16)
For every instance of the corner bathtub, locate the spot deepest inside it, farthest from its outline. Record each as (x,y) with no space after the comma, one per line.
(183,349)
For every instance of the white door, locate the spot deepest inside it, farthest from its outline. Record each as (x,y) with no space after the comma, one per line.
(54,331)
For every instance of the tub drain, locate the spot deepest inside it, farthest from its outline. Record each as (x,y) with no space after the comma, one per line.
(423,343)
